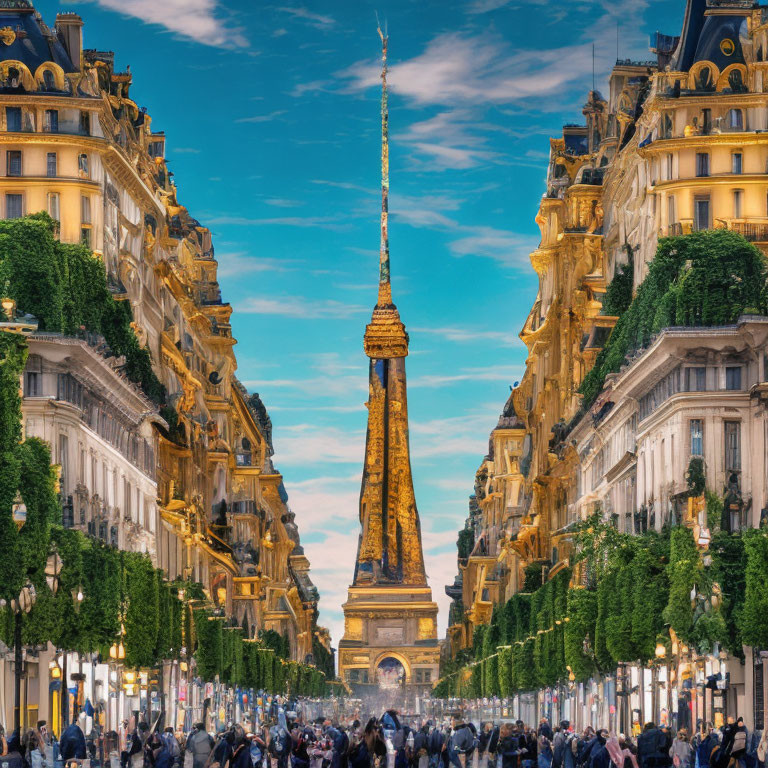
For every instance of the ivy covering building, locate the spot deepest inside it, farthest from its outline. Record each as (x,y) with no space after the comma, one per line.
(164,529)
(613,565)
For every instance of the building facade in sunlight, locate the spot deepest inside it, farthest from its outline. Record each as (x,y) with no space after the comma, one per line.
(677,147)
(186,476)
(390,620)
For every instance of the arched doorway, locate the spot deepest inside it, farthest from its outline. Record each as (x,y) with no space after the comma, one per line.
(390,673)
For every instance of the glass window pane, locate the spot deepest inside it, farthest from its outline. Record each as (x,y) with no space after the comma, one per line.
(697,437)
(13,207)
(13,118)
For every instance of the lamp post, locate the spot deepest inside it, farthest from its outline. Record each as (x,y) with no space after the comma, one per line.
(77,598)
(19,606)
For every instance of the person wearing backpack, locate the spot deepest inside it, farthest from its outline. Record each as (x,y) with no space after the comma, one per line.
(558,744)
(739,743)
(681,750)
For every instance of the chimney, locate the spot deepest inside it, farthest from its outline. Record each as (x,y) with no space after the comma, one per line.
(70,30)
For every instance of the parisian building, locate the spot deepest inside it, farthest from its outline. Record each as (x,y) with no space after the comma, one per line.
(677,146)
(190,482)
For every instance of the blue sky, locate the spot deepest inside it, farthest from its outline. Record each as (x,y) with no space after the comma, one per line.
(271,112)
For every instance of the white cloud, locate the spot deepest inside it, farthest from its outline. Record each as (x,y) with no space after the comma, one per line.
(449,139)
(198,20)
(463,335)
(483,6)
(261,118)
(282,202)
(301,222)
(490,373)
(239,263)
(314,19)
(509,248)
(306,445)
(296,306)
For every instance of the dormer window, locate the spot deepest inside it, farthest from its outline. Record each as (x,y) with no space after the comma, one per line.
(49,81)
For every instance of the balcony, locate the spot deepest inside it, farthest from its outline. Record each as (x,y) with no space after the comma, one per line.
(246,507)
(755,232)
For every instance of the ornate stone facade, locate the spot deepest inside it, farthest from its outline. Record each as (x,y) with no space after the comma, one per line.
(677,146)
(204,499)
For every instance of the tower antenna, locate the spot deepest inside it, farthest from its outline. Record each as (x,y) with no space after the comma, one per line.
(385,287)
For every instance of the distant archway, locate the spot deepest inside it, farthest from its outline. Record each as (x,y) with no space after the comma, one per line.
(390,673)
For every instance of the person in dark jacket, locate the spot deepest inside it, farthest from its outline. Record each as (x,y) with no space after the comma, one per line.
(299,754)
(652,747)
(462,744)
(545,729)
(509,747)
(435,747)
(72,743)
(599,757)
(492,746)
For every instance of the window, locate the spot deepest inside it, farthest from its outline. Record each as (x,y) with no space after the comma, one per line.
(53,205)
(85,209)
(697,437)
(737,162)
(738,199)
(82,167)
(52,164)
(32,384)
(85,236)
(64,462)
(701,213)
(736,120)
(49,81)
(13,162)
(51,121)
(13,118)
(14,206)
(422,676)
(732,445)
(85,123)
(733,377)
(695,379)
(702,164)
(670,166)
(671,214)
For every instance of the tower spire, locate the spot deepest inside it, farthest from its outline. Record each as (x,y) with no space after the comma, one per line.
(385,286)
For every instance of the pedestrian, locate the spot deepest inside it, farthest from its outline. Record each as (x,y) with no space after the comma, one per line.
(651,747)
(545,729)
(72,743)
(493,745)
(199,745)
(681,750)
(299,753)
(511,746)
(241,749)
(544,752)
(420,758)
(462,744)
(559,743)
(435,747)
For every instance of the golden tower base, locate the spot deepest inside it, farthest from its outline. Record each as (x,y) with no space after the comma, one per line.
(389,649)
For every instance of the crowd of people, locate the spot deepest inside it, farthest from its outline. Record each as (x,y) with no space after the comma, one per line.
(286,740)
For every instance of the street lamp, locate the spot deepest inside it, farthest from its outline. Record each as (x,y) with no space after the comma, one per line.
(20,605)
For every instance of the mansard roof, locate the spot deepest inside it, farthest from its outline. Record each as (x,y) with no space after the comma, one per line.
(33,43)
(712,31)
